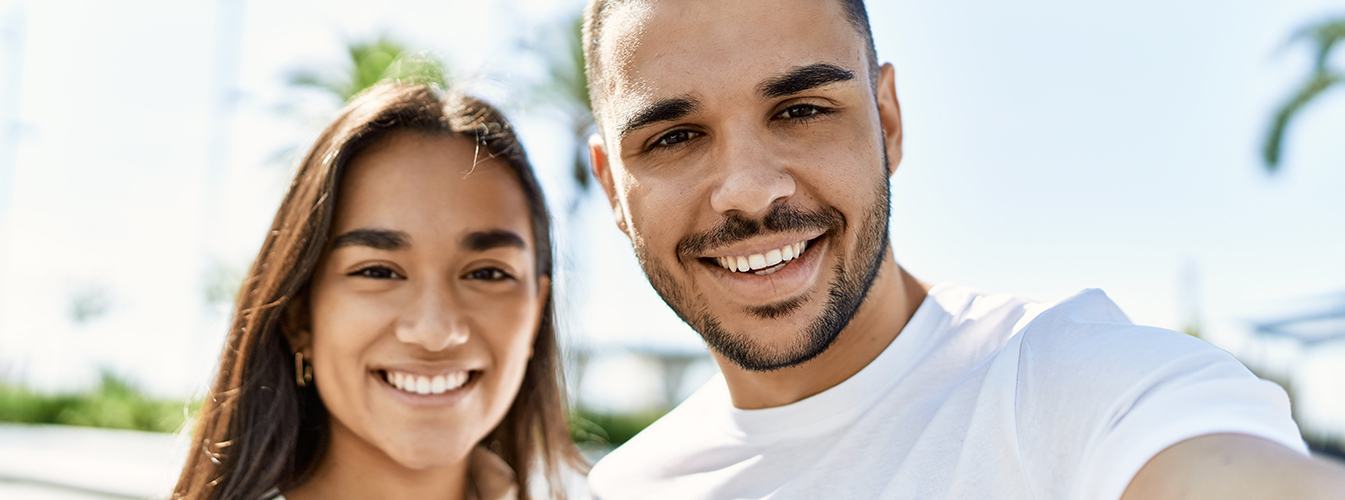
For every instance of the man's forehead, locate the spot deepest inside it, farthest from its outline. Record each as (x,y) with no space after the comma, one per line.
(659,49)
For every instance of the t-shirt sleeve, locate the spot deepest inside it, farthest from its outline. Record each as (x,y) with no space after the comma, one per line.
(1098,400)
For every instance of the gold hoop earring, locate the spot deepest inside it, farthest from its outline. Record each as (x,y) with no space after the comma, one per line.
(303,372)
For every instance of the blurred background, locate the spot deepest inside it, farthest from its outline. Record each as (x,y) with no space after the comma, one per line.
(1185,157)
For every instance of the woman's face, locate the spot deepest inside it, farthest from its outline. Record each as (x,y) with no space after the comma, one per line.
(424,308)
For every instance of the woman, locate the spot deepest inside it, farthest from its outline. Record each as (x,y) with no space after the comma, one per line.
(395,335)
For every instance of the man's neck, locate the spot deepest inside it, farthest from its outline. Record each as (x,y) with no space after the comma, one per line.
(891,301)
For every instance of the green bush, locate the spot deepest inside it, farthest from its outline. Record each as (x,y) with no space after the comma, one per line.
(608,429)
(114,404)
(117,404)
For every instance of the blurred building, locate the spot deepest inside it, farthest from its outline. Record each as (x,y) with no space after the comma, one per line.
(1311,335)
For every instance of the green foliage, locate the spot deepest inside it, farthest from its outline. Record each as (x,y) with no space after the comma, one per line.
(562,53)
(221,283)
(115,404)
(118,404)
(372,62)
(608,429)
(565,89)
(1323,37)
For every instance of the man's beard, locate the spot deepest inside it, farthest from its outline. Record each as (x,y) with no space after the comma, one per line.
(854,276)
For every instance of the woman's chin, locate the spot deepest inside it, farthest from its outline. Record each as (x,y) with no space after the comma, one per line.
(429,455)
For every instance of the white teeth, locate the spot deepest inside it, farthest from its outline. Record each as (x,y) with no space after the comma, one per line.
(456,380)
(418,384)
(774,257)
(757,262)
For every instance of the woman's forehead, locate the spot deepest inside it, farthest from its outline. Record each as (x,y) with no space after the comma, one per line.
(431,186)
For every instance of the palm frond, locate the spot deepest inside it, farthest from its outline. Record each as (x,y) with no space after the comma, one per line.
(1323,37)
(1272,150)
(565,88)
(371,62)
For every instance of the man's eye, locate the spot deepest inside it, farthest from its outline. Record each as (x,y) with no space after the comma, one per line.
(378,273)
(488,274)
(675,137)
(801,111)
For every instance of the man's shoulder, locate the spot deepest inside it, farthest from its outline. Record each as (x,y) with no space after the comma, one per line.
(1083,358)
(1097,394)
(1081,346)
(1089,331)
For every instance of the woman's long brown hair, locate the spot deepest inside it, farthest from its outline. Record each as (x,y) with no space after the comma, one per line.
(257,430)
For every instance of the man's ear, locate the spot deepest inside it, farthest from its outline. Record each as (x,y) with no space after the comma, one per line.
(602,170)
(889,115)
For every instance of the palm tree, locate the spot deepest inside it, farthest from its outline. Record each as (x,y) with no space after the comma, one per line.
(369,62)
(565,91)
(1323,35)
(372,62)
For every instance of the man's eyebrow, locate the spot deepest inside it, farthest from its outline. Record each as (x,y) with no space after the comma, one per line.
(480,241)
(803,78)
(660,111)
(381,239)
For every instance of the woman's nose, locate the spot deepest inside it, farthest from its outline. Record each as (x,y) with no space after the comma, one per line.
(433,322)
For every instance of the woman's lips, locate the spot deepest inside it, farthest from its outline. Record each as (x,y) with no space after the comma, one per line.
(444,388)
(426,384)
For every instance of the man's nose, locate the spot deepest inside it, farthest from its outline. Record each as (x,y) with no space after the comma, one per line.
(753,179)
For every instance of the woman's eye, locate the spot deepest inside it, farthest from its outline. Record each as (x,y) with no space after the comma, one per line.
(488,274)
(378,273)
(675,137)
(801,111)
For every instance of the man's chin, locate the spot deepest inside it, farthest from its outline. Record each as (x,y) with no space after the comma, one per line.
(784,309)
(757,343)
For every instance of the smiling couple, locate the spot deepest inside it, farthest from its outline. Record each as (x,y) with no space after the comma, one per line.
(395,337)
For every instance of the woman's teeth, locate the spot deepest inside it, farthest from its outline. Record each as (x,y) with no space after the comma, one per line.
(420,384)
(759,261)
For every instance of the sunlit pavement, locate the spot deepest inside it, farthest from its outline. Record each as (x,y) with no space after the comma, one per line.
(52,462)
(49,462)
(60,462)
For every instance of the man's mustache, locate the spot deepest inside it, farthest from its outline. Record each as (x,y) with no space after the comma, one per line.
(781,218)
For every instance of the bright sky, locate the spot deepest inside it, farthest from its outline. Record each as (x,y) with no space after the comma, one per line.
(1050,146)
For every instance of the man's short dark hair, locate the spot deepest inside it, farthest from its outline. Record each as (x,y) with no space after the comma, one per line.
(598,10)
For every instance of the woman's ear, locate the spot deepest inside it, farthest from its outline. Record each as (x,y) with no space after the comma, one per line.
(543,298)
(298,329)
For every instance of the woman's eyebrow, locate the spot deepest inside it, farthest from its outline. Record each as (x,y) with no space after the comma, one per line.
(480,241)
(381,239)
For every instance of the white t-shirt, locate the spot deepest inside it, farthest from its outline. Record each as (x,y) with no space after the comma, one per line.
(980,396)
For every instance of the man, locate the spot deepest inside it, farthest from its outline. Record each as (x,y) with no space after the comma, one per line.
(746,147)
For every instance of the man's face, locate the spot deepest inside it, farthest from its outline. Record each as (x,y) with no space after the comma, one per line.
(745,156)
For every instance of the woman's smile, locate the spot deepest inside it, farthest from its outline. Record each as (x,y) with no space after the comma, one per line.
(428,388)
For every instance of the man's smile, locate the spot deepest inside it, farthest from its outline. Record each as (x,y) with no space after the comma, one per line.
(767,271)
